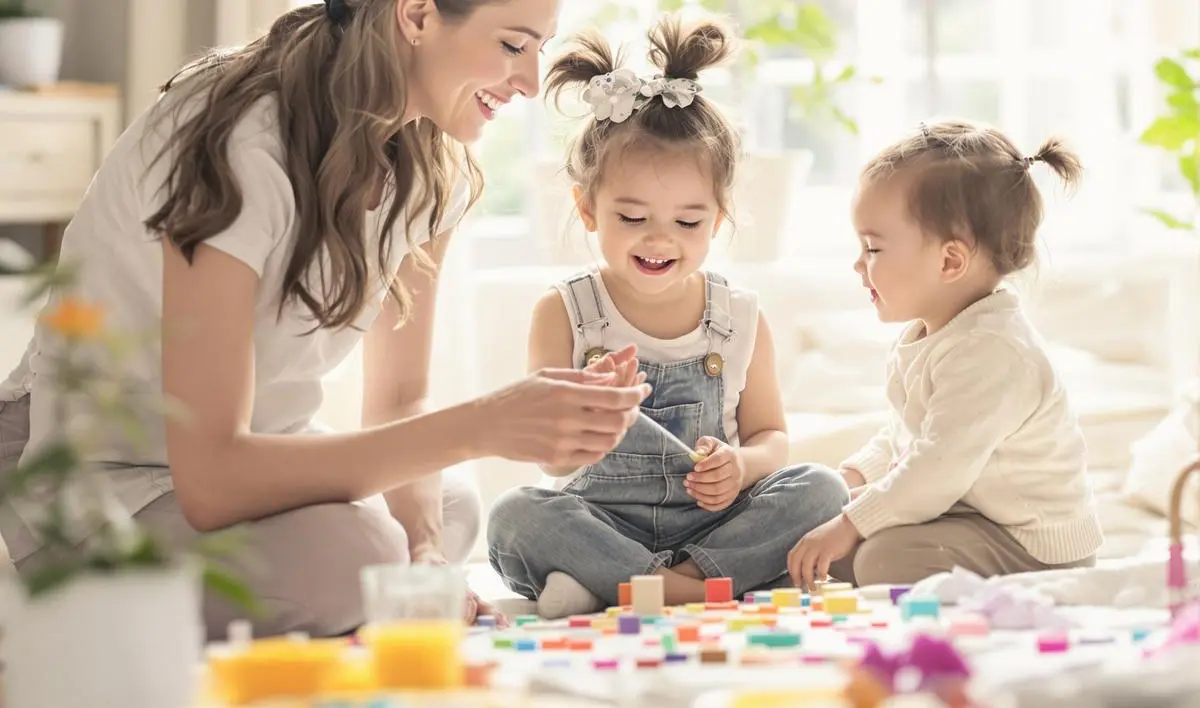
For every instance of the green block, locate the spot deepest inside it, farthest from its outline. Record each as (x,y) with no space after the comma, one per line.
(838,619)
(775,639)
(499,642)
(651,619)
(669,642)
(527,619)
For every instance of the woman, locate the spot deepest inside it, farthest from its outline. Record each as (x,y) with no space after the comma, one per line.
(279,204)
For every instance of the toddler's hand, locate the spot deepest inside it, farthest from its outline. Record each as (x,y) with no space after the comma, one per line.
(853,477)
(717,479)
(809,560)
(856,492)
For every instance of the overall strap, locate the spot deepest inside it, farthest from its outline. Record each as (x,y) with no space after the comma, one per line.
(717,319)
(590,320)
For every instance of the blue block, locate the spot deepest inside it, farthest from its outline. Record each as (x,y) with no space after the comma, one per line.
(920,606)
(526,645)
(488,621)
(1140,634)
(805,600)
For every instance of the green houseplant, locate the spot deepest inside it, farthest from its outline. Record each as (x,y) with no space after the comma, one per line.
(1176,131)
(105,597)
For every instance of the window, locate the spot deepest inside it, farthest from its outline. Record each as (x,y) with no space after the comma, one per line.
(1079,68)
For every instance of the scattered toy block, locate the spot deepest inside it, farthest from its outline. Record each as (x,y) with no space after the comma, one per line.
(689,633)
(1053,643)
(713,655)
(624,594)
(969,625)
(647,593)
(579,622)
(527,619)
(841,603)
(774,639)
(920,606)
(629,624)
(786,597)
(718,590)
(694,608)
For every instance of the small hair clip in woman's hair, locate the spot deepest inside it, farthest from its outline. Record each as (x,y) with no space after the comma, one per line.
(1028,161)
(336,11)
(925,131)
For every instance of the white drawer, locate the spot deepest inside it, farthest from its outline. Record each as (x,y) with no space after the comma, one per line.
(47,156)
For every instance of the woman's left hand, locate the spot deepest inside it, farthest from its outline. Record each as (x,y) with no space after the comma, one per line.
(475,606)
(716,480)
(809,560)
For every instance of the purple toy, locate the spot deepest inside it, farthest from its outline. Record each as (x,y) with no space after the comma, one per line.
(930,659)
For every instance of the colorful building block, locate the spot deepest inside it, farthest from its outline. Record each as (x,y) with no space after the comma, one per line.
(898,591)
(579,622)
(841,603)
(647,593)
(969,625)
(689,633)
(1053,643)
(625,594)
(694,608)
(827,588)
(774,639)
(786,597)
(486,621)
(526,619)
(629,624)
(920,606)
(525,644)
(718,590)
(713,655)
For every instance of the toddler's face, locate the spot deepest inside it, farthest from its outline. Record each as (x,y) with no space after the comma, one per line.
(900,266)
(655,214)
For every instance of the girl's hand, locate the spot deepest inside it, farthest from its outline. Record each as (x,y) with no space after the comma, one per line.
(622,365)
(716,480)
(810,559)
(558,417)
(853,477)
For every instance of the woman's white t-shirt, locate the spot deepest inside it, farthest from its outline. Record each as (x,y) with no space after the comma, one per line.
(121,270)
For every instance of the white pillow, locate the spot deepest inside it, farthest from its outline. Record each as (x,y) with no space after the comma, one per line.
(1160,455)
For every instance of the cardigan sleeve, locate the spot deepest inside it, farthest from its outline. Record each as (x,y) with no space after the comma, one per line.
(982,391)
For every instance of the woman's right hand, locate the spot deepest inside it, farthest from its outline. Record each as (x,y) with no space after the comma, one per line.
(561,417)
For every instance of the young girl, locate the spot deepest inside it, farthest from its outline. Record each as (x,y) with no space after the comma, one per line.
(653,170)
(982,463)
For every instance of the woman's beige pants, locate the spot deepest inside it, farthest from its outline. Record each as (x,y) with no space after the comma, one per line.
(302,565)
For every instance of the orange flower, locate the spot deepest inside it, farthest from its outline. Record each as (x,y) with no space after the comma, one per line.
(75,319)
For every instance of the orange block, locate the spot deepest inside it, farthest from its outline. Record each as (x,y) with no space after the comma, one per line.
(624,594)
(554,643)
(688,633)
(579,644)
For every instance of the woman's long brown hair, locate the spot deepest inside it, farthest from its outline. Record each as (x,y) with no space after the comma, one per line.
(341,98)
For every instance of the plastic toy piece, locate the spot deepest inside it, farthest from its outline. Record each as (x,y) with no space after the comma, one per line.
(579,644)
(829,587)
(648,662)
(527,619)
(841,603)
(718,590)
(579,622)
(485,621)
(502,642)
(969,625)
(786,597)
(689,633)
(629,624)
(624,594)
(774,639)
(675,658)
(554,643)
(648,595)
(919,606)
(604,664)
(526,645)
(713,655)
(898,591)
(1053,643)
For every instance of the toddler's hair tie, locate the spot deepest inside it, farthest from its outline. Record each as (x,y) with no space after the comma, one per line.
(336,11)
(616,95)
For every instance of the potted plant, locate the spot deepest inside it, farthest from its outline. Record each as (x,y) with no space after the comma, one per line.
(763,192)
(31,45)
(1177,132)
(110,615)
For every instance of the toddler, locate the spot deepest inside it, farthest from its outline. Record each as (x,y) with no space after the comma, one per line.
(653,167)
(982,462)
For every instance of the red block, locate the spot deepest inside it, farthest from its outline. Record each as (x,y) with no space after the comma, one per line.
(624,594)
(718,590)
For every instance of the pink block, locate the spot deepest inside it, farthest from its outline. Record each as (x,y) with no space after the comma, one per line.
(969,626)
(1053,643)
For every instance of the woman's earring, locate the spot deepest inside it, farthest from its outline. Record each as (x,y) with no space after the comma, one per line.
(416,42)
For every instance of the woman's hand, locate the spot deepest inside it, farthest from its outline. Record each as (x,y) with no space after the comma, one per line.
(560,417)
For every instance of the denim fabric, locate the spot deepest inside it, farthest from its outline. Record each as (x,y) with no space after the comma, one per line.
(630,514)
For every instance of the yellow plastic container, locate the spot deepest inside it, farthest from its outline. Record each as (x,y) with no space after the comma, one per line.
(273,669)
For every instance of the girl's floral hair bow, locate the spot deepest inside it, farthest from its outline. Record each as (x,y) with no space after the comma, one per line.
(616,95)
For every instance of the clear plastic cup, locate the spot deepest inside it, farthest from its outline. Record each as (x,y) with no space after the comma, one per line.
(414,625)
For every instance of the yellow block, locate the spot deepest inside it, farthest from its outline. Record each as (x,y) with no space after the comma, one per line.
(614,611)
(830,588)
(841,603)
(694,608)
(786,597)
(738,624)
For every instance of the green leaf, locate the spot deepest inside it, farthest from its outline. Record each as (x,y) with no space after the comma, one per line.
(1192,53)
(846,74)
(1184,103)
(1171,132)
(844,120)
(49,578)
(1172,73)
(1168,220)
(1190,170)
(231,588)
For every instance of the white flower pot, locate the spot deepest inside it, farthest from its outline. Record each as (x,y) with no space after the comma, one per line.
(30,50)
(763,196)
(132,640)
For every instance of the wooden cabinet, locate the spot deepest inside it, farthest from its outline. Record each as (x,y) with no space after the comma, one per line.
(50,146)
